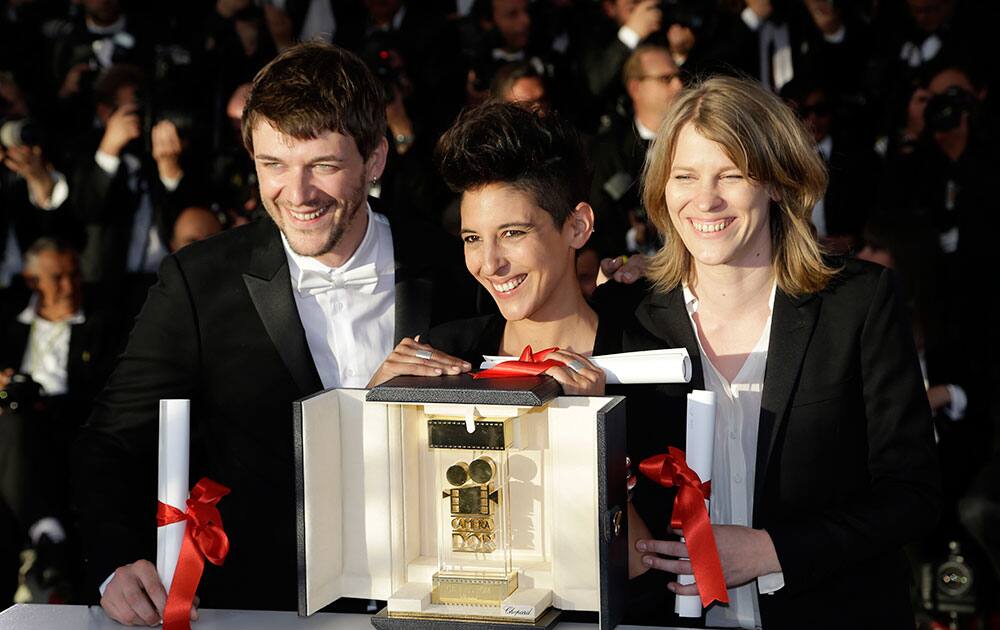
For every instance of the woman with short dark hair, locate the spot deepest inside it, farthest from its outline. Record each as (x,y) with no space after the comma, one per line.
(523,179)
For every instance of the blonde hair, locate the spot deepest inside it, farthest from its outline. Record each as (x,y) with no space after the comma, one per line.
(768,143)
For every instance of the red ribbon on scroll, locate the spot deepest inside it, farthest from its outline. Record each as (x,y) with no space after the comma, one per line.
(689,515)
(529,364)
(204,539)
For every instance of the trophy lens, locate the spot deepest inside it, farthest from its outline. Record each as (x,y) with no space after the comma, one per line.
(481,470)
(458,474)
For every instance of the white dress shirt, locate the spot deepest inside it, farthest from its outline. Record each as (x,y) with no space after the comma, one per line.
(349,332)
(734,463)
(46,357)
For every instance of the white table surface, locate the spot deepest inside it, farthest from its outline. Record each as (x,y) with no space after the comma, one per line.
(52,617)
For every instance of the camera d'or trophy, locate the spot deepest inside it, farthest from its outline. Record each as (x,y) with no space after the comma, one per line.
(490,503)
(474,550)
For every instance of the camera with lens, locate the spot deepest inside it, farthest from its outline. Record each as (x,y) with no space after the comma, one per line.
(382,58)
(154,108)
(21,394)
(944,111)
(950,585)
(675,12)
(19,132)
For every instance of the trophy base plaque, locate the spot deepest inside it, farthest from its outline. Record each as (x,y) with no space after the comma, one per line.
(472,591)
(384,621)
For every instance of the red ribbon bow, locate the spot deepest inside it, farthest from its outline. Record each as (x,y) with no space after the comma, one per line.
(204,539)
(690,515)
(529,364)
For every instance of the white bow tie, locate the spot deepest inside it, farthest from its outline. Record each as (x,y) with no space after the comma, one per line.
(363,279)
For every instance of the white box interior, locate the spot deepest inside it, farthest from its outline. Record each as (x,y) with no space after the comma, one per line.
(372,498)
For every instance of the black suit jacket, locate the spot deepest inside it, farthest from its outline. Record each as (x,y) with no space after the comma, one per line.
(105,206)
(846,468)
(618,155)
(221,327)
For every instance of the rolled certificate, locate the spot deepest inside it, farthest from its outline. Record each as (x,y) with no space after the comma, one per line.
(632,368)
(172,488)
(699,451)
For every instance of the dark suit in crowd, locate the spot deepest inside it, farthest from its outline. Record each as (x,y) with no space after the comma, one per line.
(106,206)
(221,327)
(35,439)
(618,155)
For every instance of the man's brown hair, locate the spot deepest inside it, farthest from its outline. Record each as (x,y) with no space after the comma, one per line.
(312,88)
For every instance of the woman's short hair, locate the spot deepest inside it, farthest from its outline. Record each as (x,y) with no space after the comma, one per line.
(540,154)
(768,143)
(313,88)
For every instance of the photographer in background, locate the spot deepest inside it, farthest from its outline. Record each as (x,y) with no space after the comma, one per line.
(30,188)
(55,355)
(652,82)
(945,175)
(128,185)
(617,33)
(91,39)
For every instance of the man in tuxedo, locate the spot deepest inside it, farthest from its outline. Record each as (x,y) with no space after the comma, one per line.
(56,350)
(253,319)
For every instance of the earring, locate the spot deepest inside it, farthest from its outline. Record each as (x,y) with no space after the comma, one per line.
(374,181)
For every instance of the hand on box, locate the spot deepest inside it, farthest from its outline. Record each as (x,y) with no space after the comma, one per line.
(136,597)
(578,377)
(745,554)
(412,358)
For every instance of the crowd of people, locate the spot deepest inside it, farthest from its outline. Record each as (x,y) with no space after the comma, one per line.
(123,139)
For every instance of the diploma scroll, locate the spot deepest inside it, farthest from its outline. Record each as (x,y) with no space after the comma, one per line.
(172,482)
(699,450)
(632,368)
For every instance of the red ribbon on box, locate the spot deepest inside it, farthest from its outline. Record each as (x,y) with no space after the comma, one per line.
(204,539)
(670,469)
(529,364)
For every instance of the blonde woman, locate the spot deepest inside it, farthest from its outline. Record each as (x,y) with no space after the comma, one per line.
(824,464)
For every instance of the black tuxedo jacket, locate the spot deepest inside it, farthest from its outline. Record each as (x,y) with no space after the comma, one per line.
(846,467)
(221,327)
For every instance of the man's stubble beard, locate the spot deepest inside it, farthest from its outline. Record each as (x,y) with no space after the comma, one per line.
(338,228)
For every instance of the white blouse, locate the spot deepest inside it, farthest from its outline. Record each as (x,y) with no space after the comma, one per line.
(734,463)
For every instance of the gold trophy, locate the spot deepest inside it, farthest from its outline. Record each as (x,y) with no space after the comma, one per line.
(474,551)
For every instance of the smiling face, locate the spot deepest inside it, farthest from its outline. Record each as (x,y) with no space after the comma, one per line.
(719,213)
(315,190)
(515,249)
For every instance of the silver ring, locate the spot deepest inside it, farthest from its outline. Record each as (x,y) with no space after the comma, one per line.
(574,365)
(424,354)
